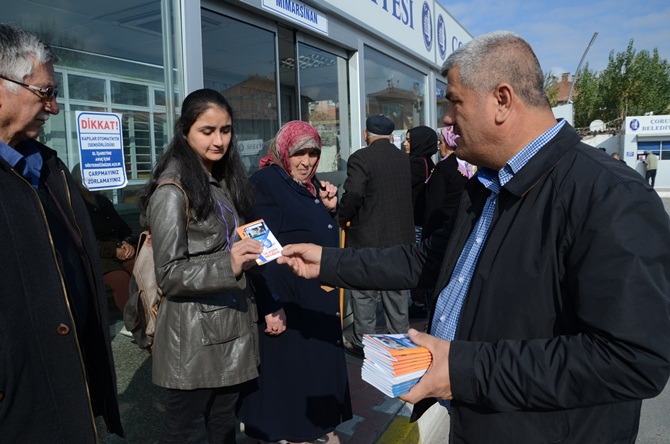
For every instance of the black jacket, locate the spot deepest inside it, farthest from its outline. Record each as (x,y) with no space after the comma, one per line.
(444,193)
(377,198)
(565,327)
(53,377)
(110,229)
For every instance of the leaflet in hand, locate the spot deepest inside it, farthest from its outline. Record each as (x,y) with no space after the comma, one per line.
(259,231)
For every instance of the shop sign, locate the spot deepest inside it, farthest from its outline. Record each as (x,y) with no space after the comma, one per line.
(250,147)
(101,150)
(648,124)
(299,13)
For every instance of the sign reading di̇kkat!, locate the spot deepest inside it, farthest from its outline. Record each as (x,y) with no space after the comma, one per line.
(101,150)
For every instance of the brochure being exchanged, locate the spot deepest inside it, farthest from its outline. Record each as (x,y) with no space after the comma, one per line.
(259,231)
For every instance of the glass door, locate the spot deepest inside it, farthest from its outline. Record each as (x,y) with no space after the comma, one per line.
(324,103)
(239,61)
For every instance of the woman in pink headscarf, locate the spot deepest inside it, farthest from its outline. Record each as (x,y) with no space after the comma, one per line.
(446,183)
(303,389)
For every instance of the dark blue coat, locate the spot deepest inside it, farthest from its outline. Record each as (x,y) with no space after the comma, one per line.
(304,368)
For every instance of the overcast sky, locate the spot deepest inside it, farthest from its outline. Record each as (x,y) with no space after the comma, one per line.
(560,31)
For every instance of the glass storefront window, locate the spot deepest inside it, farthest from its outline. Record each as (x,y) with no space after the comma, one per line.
(394,89)
(442,104)
(112,60)
(82,87)
(313,87)
(659,147)
(130,94)
(323,94)
(245,73)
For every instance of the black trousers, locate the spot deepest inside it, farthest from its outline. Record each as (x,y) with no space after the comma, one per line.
(650,177)
(186,409)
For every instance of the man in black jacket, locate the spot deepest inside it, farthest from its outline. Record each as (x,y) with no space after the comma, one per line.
(56,366)
(551,321)
(376,211)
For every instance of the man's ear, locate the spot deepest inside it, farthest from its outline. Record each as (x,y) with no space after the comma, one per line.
(505,97)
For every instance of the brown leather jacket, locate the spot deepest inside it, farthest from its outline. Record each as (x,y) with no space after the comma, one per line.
(206,334)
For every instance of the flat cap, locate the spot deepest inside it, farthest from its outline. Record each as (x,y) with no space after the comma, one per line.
(380,125)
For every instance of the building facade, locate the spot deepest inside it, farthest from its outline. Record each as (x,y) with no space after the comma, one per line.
(327,62)
(642,134)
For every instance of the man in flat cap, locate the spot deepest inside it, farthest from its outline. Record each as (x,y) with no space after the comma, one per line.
(376,211)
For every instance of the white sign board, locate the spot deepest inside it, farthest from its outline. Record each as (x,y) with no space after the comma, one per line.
(250,147)
(300,13)
(101,150)
(422,26)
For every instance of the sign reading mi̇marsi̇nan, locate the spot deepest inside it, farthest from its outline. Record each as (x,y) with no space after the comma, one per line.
(300,13)
(101,150)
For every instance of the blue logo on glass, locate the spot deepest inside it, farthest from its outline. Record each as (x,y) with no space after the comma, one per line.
(634,124)
(441,37)
(427,26)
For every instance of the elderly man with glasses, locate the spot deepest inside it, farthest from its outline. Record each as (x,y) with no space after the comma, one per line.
(56,366)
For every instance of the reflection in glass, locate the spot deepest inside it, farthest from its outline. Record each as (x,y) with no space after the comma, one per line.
(239,61)
(111,60)
(441,102)
(86,88)
(323,93)
(394,89)
(130,94)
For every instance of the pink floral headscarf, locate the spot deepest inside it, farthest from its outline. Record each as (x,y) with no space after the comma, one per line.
(449,135)
(466,169)
(293,137)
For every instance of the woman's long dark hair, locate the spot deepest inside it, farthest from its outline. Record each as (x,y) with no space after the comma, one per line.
(194,179)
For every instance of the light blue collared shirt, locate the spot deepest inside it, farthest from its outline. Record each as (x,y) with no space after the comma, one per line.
(28,164)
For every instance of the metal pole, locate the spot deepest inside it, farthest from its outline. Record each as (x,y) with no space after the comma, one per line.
(593,39)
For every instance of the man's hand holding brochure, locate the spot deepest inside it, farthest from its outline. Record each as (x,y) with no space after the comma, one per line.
(393,363)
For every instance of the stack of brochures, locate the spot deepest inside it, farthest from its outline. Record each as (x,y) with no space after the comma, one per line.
(393,363)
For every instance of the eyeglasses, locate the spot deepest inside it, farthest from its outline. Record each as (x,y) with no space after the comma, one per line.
(46,94)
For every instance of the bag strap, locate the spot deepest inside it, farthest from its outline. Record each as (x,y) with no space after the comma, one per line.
(178,185)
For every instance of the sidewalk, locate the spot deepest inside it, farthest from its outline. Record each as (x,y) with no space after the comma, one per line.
(377,418)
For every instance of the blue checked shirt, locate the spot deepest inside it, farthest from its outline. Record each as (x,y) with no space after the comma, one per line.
(450,300)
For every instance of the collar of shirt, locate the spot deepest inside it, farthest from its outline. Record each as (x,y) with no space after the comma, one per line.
(494,180)
(28,162)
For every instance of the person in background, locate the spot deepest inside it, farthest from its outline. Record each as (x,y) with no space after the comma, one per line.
(650,163)
(551,319)
(420,143)
(115,241)
(56,364)
(616,156)
(376,211)
(445,184)
(304,368)
(206,341)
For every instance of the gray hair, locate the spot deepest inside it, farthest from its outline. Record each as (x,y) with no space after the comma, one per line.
(18,50)
(497,57)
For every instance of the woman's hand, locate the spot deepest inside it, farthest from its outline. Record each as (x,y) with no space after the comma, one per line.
(125,251)
(328,195)
(275,323)
(243,255)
